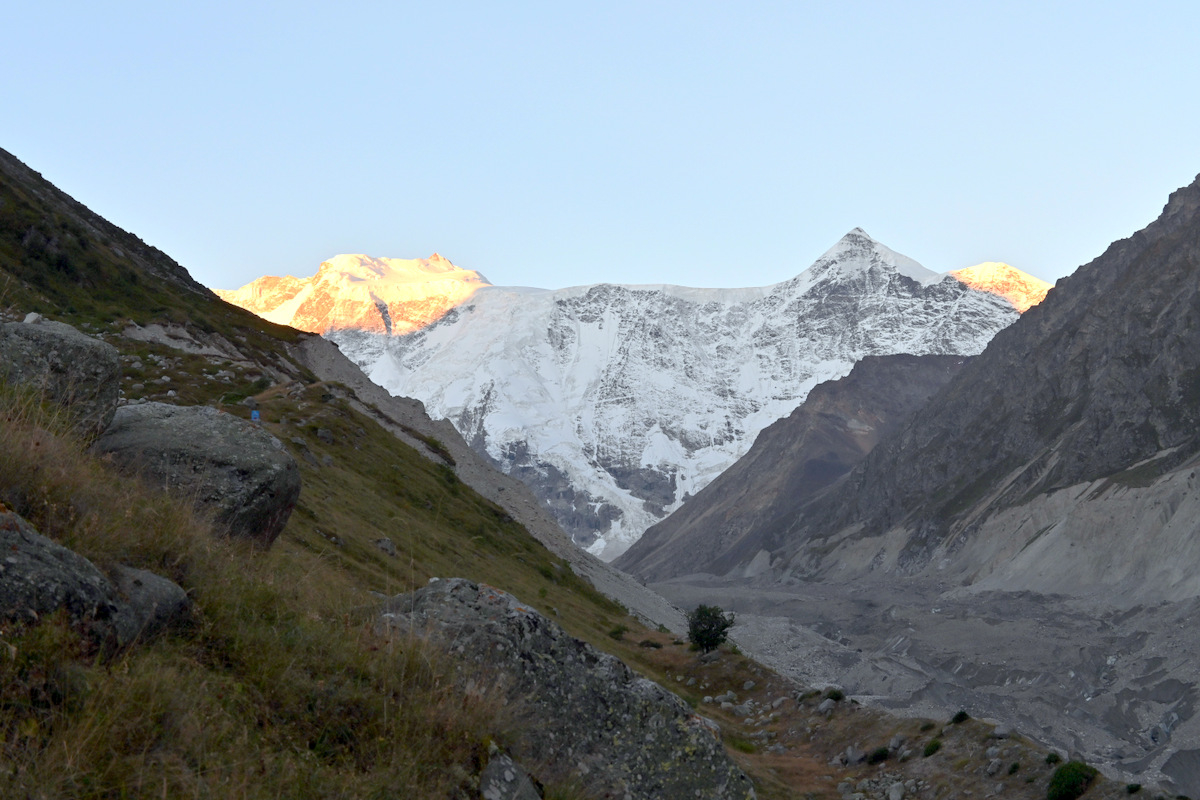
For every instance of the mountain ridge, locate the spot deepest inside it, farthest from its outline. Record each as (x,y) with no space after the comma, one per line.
(592,394)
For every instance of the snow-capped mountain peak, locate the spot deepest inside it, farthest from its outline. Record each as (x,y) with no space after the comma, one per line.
(617,402)
(1021,289)
(393,296)
(857,256)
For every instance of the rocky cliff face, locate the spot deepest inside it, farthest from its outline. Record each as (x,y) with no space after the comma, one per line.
(1102,377)
(614,403)
(742,512)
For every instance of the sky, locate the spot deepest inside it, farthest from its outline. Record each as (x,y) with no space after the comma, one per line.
(558,144)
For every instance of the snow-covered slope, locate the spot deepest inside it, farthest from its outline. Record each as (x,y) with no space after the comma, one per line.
(381,295)
(616,402)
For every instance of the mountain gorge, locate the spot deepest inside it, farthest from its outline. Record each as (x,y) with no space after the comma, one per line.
(616,403)
(1026,542)
(791,461)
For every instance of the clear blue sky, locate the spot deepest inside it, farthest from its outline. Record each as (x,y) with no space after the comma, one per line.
(554,144)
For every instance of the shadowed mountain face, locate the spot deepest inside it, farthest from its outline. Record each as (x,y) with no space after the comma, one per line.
(1100,377)
(741,512)
(1026,545)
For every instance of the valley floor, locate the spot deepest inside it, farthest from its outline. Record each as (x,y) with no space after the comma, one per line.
(1088,684)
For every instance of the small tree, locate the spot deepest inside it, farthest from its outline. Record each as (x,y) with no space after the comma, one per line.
(708,627)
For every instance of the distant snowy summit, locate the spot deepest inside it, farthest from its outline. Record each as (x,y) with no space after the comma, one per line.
(1022,290)
(391,296)
(615,403)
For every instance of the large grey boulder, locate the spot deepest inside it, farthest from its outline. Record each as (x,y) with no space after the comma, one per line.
(584,715)
(228,467)
(40,577)
(67,367)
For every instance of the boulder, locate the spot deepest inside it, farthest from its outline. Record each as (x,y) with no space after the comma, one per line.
(228,467)
(39,577)
(146,603)
(587,718)
(67,367)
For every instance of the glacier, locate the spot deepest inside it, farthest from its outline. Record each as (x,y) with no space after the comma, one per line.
(615,403)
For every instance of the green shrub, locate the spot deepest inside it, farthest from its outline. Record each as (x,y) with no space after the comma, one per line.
(1012,768)
(1133,788)
(1053,758)
(1070,780)
(959,718)
(708,627)
(619,632)
(650,643)
(836,695)
(927,726)
(933,746)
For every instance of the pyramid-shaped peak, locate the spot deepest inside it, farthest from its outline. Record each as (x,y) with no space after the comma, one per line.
(857,252)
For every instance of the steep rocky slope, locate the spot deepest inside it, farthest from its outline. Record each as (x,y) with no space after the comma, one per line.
(839,423)
(1102,377)
(1026,545)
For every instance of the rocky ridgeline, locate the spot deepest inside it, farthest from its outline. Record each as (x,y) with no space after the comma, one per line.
(231,470)
(586,717)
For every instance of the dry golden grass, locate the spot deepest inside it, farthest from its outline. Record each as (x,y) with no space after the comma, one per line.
(265,693)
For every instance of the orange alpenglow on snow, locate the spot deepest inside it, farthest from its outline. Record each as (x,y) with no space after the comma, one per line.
(381,295)
(1021,289)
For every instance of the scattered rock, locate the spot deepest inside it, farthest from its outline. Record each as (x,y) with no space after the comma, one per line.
(1002,732)
(325,435)
(69,368)
(628,736)
(504,779)
(386,545)
(994,766)
(896,791)
(747,686)
(235,470)
(827,706)
(854,756)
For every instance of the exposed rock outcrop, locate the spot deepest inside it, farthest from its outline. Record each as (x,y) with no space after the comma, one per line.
(67,367)
(587,717)
(39,577)
(236,471)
